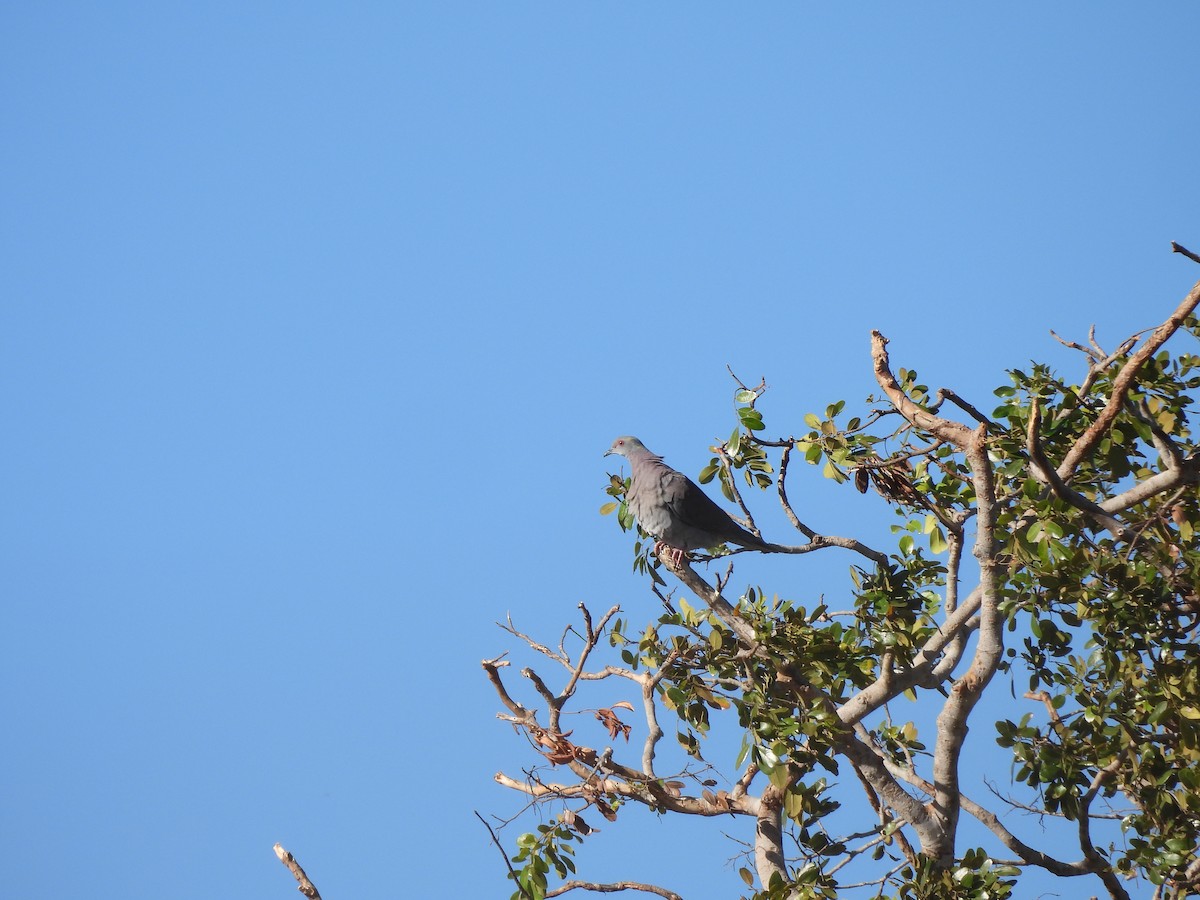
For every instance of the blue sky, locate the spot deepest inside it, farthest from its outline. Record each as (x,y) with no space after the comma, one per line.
(316,322)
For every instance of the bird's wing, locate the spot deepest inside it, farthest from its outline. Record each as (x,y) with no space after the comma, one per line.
(695,508)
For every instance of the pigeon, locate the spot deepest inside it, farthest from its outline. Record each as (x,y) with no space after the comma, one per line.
(671,507)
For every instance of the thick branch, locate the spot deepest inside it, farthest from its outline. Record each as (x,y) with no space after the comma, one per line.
(952,720)
(891,685)
(1029,855)
(906,806)
(1188,473)
(768,837)
(716,602)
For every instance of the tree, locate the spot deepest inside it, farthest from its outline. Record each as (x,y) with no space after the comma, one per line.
(1052,543)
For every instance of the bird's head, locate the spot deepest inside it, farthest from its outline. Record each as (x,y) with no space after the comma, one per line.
(624,445)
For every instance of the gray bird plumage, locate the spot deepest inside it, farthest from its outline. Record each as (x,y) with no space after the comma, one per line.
(672,508)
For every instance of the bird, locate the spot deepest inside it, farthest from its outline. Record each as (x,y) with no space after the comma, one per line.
(673,509)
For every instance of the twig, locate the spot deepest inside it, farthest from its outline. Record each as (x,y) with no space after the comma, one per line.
(1176,248)
(947,394)
(306,887)
(727,464)
(500,847)
(783,498)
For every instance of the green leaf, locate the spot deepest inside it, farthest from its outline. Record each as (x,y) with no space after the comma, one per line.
(747,876)
(937,542)
(832,471)
(751,418)
(744,396)
(607,508)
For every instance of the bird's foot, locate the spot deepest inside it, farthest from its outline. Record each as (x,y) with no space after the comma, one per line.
(672,556)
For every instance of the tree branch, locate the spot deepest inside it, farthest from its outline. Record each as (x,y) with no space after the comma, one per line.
(1045,473)
(1087,441)
(1176,248)
(503,853)
(768,837)
(1098,863)
(952,720)
(815,541)
(306,887)
(944,429)
(611,888)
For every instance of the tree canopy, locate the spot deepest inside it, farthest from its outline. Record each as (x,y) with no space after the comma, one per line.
(1045,544)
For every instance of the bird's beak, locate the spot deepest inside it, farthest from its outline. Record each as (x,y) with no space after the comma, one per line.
(608,452)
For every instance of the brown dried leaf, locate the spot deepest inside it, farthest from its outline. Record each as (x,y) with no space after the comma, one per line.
(862,478)
(614,725)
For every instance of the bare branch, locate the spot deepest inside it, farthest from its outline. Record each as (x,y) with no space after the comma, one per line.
(612,887)
(306,887)
(540,648)
(1176,248)
(1029,855)
(632,785)
(492,666)
(589,644)
(816,541)
(969,409)
(944,429)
